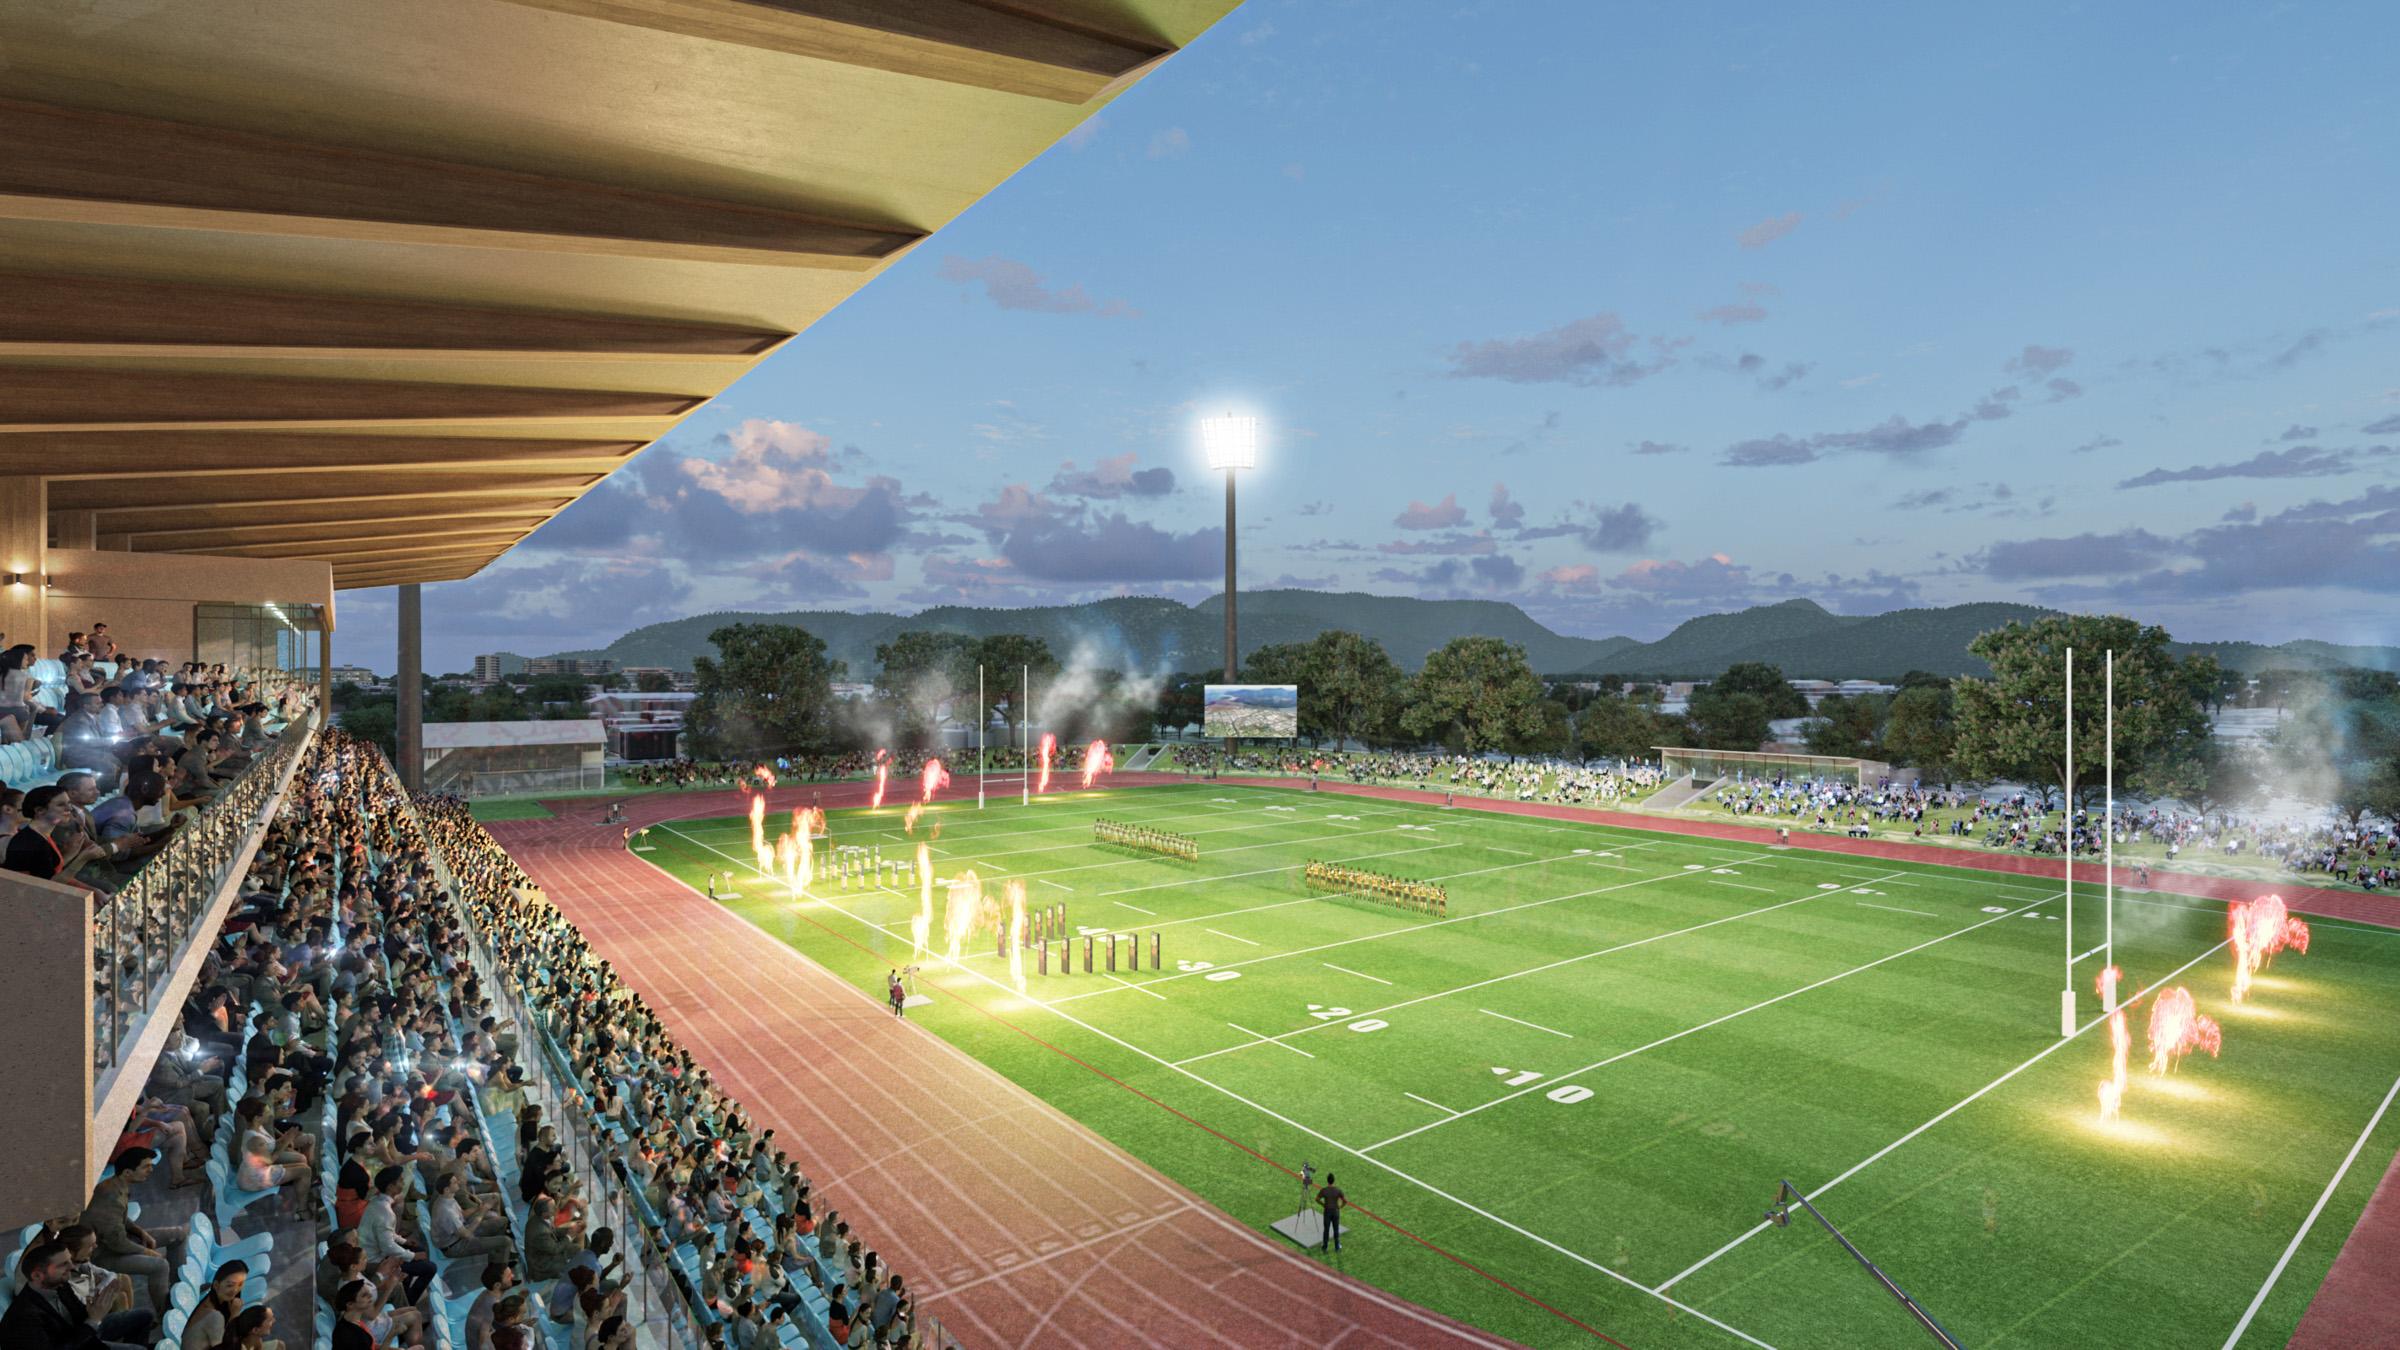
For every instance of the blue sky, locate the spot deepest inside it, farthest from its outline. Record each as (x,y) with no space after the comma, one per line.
(1620,313)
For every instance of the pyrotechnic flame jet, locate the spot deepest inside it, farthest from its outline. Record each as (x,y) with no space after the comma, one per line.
(2259,930)
(2178,1027)
(883,771)
(922,928)
(1097,761)
(908,818)
(758,835)
(1015,891)
(806,821)
(764,774)
(2120,1040)
(933,779)
(1049,748)
(959,911)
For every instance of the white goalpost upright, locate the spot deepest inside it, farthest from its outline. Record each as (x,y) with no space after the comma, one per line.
(2108,838)
(983,727)
(1024,735)
(2066,996)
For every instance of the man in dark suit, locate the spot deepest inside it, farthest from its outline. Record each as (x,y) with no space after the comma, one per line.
(45,1314)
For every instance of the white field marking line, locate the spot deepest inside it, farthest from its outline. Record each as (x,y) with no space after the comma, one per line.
(1231,938)
(1555,1080)
(2311,1220)
(1061,885)
(1523,1023)
(1359,973)
(1495,848)
(1740,887)
(1328,1140)
(1270,871)
(1416,928)
(1855,1168)
(1530,970)
(1897,910)
(1085,1132)
(1248,1032)
(1135,908)
(1137,988)
(1429,1102)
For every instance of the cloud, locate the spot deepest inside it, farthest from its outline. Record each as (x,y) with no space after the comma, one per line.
(2081,555)
(1011,284)
(1170,143)
(1716,577)
(2037,362)
(1770,377)
(1593,352)
(1506,514)
(2389,426)
(567,601)
(2301,461)
(2350,544)
(2062,390)
(1572,577)
(1622,528)
(1918,501)
(2297,432)
(1445,514)
(2098,443)
(1768,231)
(1111,547)
(1660,448)
(1315,508)
(1085,131)
(2241,515)
(1895,437)
(1111,478)
(1729,315)
(1497,572)
(1478,542)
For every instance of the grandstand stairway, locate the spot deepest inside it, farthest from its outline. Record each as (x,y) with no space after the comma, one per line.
(1679,793)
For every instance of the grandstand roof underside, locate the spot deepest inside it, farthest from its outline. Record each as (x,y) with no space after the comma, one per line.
(391,284)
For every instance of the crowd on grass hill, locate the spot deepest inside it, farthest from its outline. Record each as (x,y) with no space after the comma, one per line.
(1524,778)
(849,764)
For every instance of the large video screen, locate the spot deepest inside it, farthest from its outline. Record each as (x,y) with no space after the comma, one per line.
(1271,710)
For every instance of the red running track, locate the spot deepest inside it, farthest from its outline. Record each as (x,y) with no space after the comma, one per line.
(1013,1224)
(1152,1264)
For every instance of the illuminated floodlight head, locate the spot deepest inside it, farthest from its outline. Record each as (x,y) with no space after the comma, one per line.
(1231,441)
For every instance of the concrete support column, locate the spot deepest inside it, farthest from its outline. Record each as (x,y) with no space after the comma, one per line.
(411,736)
(25,554)
(77,529)
(325,672)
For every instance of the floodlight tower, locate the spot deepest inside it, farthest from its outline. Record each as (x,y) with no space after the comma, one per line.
(1232,445)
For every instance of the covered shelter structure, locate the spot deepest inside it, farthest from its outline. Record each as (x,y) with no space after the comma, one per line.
(300,297)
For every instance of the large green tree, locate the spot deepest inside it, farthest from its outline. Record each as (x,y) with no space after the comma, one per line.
(2014,725)
(1005,658)
(1765,681)
(1849,725)
(1349,687)
(1920,730)
(1620,727)
(1476,693)
(1729,719)
(767,691)
(920,670)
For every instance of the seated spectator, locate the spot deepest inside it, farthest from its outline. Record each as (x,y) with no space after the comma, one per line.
(108,1298)
(467,1228)
(249,1330)
(209,1318)
(126,1247)
(380,1235)
(35,849)
(47,1314)
(86,742)
(270,1160)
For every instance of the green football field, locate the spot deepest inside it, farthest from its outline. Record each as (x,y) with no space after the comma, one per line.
(1588,1080)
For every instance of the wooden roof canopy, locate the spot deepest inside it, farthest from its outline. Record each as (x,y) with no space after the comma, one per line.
(390,284)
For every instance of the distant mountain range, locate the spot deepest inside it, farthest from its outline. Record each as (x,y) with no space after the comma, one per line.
(1149,633)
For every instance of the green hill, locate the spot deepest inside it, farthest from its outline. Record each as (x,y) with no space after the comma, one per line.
(1150,633)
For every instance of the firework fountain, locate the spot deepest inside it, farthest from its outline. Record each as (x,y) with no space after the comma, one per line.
(961,910)
(883,773)
(1097,761)
(759,848)
(932,780)
(2120,1040)
(2178,1027)
(1049,748)
(921,928)
(2260,929)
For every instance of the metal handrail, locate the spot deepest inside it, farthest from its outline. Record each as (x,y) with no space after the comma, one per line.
(1780,1215)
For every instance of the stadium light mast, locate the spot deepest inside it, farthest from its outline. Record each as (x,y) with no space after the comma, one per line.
(1231,443)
